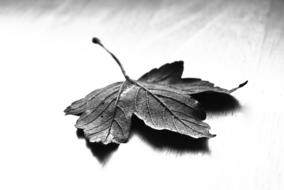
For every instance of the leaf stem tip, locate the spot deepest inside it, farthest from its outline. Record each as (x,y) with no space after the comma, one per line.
(96,40)
(243,84)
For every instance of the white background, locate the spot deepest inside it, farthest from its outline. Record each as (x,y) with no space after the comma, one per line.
(47,61)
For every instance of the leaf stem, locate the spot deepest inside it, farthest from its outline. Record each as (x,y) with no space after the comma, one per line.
(98,41)
(240,86)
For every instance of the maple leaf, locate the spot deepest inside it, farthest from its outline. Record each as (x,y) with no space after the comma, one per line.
(161,98)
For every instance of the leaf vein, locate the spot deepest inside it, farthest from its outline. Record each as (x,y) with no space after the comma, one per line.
(122,110)
(166,97)
(135,99)
(119,126)
(114,111)
(148,108)
(169,110)
(99,113)
(175,125)
(91,128)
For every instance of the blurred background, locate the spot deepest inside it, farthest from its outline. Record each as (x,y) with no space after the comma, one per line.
(47,61)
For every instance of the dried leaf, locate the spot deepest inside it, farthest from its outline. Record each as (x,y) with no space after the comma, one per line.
(161,98)
(105,114)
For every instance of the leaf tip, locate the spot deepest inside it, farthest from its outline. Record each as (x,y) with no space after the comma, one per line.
(243,84)
(66,111)
(79,124)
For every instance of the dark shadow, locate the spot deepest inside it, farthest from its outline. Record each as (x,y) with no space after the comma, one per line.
(217,103)
(100,151)
(164,140)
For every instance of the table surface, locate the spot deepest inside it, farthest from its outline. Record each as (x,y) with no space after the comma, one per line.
(47,61)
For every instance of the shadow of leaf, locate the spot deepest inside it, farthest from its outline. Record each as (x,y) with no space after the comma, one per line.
(100,151)
(217,103)
(164,140)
